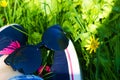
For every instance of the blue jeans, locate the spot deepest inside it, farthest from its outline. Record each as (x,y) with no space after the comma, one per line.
(26,77)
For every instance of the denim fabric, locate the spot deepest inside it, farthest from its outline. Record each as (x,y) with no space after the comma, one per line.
(26,77)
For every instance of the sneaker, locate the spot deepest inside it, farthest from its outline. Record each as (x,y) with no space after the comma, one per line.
(11,38)
(65,64)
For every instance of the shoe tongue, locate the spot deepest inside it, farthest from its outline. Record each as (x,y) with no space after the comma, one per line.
(54,38)
(26,59)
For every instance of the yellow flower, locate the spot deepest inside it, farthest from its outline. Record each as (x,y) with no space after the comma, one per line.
(3,3)
(92,44)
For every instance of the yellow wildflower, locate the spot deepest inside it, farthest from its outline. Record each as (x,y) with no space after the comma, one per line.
(92,44)
(3,3)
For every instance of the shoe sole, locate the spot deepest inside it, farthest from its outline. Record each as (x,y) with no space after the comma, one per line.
(73,64)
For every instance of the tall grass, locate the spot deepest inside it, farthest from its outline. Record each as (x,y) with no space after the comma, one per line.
(80,19)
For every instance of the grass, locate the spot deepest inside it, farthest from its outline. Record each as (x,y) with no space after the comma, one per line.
(80,19)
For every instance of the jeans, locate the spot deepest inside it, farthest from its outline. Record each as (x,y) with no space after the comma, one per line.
(26,77)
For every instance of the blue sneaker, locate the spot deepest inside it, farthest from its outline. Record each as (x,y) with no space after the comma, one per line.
(65,64)
(27,59)
(11,38)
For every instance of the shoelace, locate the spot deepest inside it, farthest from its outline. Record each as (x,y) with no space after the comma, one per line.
(12,47)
